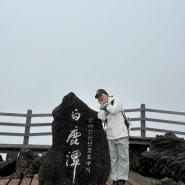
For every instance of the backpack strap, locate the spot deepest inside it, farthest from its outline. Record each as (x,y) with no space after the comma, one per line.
(124,116)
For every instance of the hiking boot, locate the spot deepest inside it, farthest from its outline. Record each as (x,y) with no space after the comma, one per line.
(121,182)
(115,183)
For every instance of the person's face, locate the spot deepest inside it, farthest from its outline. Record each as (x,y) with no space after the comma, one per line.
(100,98)
(103,98)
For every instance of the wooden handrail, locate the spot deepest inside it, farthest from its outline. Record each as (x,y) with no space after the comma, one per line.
(142,119)
(165,121)
(164,111)
(12,114)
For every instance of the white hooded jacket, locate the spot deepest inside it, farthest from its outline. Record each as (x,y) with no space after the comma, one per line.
(112,116)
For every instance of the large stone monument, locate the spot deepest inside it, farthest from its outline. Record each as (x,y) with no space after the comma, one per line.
(79,153)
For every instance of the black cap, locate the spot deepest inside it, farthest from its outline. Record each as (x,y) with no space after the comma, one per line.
(99,92)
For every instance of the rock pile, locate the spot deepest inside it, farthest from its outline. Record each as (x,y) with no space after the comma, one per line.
(26,165)
(165,159)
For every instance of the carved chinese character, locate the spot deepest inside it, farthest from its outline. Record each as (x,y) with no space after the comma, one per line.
(75,115)
(73,137)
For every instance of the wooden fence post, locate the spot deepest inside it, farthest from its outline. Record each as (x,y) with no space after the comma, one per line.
(143,132)
(27,127)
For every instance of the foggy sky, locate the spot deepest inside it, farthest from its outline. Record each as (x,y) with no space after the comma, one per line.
(134,49)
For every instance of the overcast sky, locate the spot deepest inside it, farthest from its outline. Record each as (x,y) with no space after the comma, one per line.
(135,49)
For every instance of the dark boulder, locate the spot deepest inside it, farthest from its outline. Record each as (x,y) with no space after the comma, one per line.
(135,154)
(7,167)
(79,153)
(27,164)
(166,158)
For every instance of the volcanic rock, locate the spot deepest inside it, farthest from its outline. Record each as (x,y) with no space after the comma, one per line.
(169,181)
(79,153)
(27,164)
(166,158)
(7,167)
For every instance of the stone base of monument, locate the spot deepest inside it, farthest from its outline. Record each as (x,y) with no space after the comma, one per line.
(79,153)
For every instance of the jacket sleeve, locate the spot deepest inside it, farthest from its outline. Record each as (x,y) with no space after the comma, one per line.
(116,107)
(102,115)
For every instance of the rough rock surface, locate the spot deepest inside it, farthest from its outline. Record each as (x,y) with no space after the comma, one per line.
(169,181)
(7,167)
(26,165)
(79,154)
(135,154)
(165,159)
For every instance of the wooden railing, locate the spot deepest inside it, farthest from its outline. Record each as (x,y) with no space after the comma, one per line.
(12,149)
(142,119)
(27,125)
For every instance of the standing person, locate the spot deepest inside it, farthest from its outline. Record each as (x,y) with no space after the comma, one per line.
(117,135)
